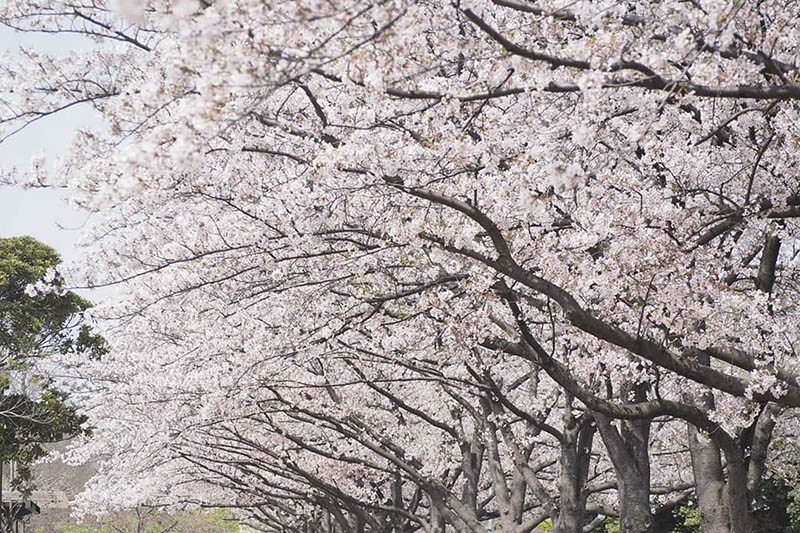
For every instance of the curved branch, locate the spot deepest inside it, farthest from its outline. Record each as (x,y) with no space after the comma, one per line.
(585,320)
(652,81)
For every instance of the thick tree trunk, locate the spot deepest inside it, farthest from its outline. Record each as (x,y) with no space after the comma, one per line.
(629,449)
(634,504)
(739,513)
(759,445)
(724,504)
(575,456)
(709,482)
(570,515)
(436,521)
(634,483)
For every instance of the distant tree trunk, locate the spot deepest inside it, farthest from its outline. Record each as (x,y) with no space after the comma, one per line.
(471,463)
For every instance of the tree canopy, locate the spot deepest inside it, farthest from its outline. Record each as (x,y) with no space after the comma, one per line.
(416,265)
(38,318)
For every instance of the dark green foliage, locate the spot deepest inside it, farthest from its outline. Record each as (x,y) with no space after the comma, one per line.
(33,325)
(776,508)
(686,519)
(50,322)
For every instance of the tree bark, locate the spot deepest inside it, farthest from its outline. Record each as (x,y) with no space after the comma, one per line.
(709,482)
(759,444)
(629,453)
(739,513)
(575,455)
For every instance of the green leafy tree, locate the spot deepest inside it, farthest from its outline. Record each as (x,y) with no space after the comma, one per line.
(38,318)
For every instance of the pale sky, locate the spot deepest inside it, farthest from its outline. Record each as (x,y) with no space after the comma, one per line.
(42,214)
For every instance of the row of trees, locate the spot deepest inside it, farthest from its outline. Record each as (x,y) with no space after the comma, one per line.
(421,265)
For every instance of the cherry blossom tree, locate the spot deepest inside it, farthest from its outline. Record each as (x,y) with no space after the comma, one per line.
(403,262)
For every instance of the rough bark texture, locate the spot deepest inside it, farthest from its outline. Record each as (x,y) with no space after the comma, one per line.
(739,513)
(628,449)
(762,436)
(575,455)
(471,462)
(709,476)
(709,482)
(769,260)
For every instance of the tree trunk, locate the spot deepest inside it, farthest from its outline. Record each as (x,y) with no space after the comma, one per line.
(634,504)
(570,512)
(709,482)
(575,455)
(629,450)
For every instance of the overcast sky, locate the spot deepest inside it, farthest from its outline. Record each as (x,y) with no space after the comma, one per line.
(42,213)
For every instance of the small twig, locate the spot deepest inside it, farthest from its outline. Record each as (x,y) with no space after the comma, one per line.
(761,152)
(765,110)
